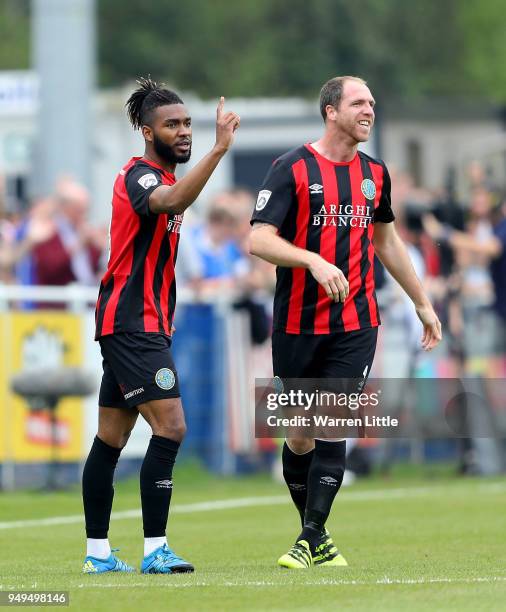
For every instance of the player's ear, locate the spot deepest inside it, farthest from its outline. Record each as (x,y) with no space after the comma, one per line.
(331,112)
(147,132)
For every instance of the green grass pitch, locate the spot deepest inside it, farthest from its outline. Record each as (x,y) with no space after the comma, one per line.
(412,543)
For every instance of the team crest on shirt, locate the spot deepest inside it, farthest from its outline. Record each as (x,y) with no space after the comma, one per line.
(165,378)
(263,198)
(148,180)
(368,189)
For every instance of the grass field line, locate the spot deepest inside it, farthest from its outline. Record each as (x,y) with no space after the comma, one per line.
(249,502)
(319,582)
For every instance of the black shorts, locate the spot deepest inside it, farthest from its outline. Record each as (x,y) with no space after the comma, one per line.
(337,356)
(138,367)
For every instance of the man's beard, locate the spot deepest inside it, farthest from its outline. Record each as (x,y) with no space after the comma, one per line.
(167,153)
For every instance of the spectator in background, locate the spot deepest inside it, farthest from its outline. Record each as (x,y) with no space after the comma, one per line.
(486,247)
(214,242)
(485,332)
(256,278)
(475,174)
(477,286)
(470,291)
(478,176)
(73,249)
(17,242)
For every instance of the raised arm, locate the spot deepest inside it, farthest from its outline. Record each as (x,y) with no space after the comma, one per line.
(175,199)
(491,247)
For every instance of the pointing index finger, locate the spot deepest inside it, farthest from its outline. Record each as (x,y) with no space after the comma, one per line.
(221,104)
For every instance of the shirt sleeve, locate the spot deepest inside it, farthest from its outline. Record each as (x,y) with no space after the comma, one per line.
(140,182)
(384,212)
(276,196)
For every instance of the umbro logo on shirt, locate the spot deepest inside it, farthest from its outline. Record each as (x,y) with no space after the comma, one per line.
(315,188)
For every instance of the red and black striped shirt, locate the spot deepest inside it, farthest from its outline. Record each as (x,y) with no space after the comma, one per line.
(138,290)
(329,208)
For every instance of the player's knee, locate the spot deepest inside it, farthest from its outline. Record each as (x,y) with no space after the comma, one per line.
(299,446)
(174,431)
(113,438)
(179,431)
(125,438)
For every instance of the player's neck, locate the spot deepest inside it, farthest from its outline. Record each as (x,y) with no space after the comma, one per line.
(336,149)
(152,156)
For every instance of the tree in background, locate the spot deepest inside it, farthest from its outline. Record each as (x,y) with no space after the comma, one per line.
(405,49)
(14,34)
(289,47)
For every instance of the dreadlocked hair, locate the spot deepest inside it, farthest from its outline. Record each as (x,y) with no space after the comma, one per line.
(148,96)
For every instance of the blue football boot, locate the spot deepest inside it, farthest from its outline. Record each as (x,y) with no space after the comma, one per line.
(92,565)
(164,561)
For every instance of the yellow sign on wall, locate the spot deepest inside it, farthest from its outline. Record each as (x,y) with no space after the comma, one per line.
(30,340)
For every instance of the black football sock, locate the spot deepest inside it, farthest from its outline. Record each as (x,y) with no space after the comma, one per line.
(98,490)
(156,484)
(324,480)
(295,473)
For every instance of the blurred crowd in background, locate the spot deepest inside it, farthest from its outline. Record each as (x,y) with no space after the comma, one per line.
(54,243)
(457,246)
(458,249)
